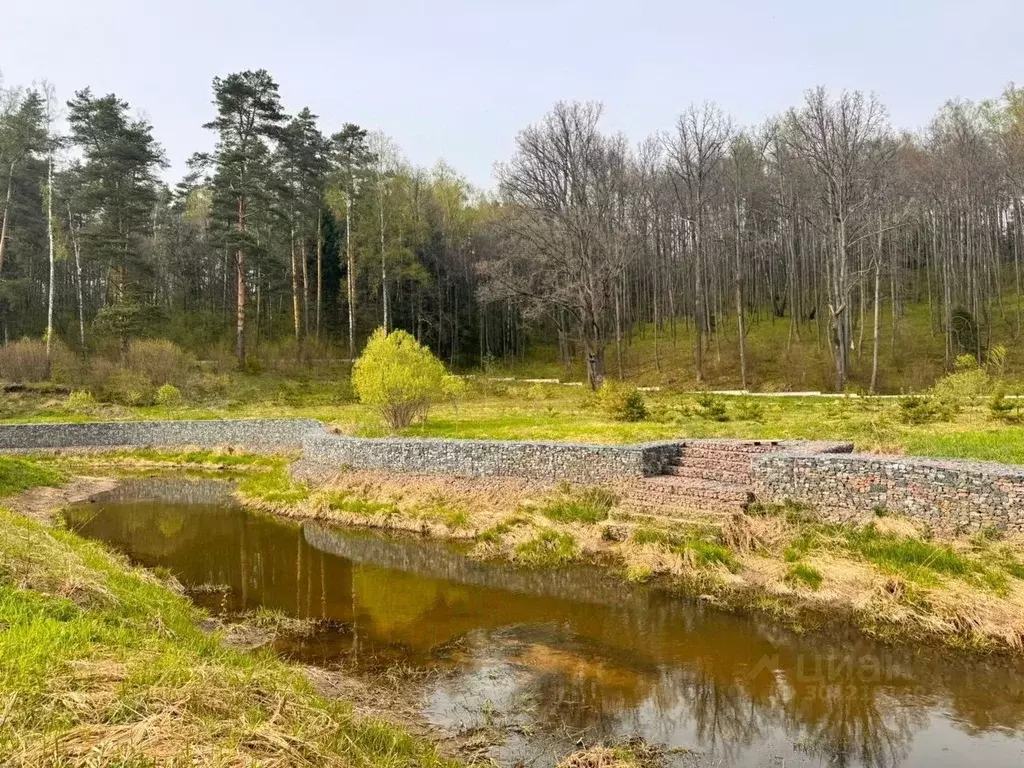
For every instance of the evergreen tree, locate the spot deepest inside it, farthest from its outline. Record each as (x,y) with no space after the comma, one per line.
(249,116)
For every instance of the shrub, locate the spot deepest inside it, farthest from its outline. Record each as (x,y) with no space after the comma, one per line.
(1005,410)
(995,360)
(967,383)
(81,401)
(621,403)
(125,321)
(748,409)
(24,361)
(160,361)
(711,407)
(169,396)
(924,409)
(128,387)
(401,378)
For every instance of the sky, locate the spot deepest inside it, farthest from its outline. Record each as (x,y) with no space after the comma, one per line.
(456,79)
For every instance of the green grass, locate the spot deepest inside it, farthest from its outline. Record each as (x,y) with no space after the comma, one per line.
(18,475)
(273,486)
(705,553)
(588,506)
(801,573)
(93,649)
(349,501)
(548,549)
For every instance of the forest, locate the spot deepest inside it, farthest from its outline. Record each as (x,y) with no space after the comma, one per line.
(293,239)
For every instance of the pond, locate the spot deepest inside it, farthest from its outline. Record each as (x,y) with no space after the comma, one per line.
(570,655)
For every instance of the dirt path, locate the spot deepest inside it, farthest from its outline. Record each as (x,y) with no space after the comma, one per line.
(41,504)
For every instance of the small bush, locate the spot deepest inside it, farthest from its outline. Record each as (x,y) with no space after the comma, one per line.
(748,409)
(995,360)
(24,361)
(401,378)
(127,387)
(803,574)
(967,383)
(711,407)
(168,396)
(81,401)
(621,403)
(923,409)
(1006,410)
(160,361)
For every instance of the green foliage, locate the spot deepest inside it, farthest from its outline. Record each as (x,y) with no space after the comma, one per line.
(127,387)
(923,409)
(803,574)
(125,321)
(967,384)
(401,378)
(996,359)
(1006,410)
(168,396)
(81,401)
(621,403)
(748,409)
(17,475)
(589,506)
(711,407)
(549,548)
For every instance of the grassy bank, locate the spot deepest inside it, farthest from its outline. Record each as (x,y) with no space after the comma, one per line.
(105,664)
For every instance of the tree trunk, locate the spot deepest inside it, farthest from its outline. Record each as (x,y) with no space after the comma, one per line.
(351,278)
(877,323)
(76,245)
(49,237)
(240,292)
(7,208)
(739,301)
(296,308)
(319,267)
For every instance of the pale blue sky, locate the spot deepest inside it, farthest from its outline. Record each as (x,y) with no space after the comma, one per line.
(456,79)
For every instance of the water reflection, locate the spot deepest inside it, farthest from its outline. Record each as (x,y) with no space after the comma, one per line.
(590,657)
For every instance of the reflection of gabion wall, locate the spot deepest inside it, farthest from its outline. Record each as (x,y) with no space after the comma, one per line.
(251,433)
(490,458)
(951,496)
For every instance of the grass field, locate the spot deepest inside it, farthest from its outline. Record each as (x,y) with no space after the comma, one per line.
(504,411)
(104,664)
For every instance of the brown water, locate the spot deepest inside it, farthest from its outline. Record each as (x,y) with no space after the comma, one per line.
(558,656)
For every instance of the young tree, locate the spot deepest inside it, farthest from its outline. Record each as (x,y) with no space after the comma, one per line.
(249,114)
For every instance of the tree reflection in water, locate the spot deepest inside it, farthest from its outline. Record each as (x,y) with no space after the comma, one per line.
(592,656)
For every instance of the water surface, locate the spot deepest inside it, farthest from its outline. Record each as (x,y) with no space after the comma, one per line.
(570,655)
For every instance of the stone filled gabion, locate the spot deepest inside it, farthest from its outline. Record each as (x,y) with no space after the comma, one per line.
(256,434)
(950,496)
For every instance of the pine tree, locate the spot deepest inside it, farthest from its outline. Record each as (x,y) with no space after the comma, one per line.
(249,115)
